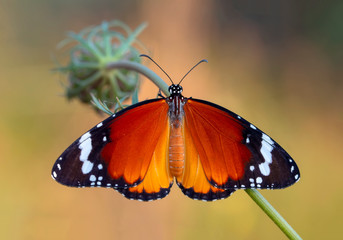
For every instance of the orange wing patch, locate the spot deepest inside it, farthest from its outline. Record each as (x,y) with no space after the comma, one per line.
(157,181)
(193,182)
(136,143)
(217,138)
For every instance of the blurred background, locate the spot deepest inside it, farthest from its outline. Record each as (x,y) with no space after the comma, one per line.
(276,63)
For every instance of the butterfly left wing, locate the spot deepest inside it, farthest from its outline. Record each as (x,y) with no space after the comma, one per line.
(234,153)
(125,152)
(157,181)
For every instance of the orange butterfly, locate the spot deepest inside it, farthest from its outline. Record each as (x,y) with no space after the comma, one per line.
(209,151)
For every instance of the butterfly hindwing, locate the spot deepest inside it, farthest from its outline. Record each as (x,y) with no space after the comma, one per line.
(234,153)
(193,181)
(157,181)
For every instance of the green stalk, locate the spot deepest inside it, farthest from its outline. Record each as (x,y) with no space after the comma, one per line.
(253,193)
(134,66)
(272,213)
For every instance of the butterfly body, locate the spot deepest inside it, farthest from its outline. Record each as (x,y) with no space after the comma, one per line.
(208,150)
(176,141)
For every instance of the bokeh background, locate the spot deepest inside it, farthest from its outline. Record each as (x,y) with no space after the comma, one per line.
(277,63)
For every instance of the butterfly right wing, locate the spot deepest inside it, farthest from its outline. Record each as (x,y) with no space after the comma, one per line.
(193,181)
(233,152)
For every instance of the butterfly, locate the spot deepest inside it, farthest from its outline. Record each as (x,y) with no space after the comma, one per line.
(209,151)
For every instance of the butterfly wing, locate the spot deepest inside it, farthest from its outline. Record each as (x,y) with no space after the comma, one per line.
(193,181)
(157,181)
(125,152)
(234,153)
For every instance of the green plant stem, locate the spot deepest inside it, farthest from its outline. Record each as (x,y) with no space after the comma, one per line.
(253,193)
(272,213)
(134,66)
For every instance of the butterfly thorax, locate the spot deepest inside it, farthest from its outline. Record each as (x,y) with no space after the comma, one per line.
(176,102)
(176,141)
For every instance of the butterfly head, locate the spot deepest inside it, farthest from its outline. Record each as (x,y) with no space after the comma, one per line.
(175,90)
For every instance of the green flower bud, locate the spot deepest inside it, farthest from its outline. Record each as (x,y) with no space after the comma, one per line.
(95,48)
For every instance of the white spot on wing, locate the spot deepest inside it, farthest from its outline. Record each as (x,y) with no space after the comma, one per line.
(58,166)
(258,180)
(92,178)
(87,167)
(100,166)
(252,126)
(99,125)
(86,148)
(252,168)
(264,168)
(267,139)
(54,174)
(84,137)
(266,151)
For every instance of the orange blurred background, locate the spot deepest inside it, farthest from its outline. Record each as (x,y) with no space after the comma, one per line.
(276,63)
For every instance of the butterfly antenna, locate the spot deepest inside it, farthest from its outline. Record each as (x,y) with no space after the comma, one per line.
(143,55)
(204,60)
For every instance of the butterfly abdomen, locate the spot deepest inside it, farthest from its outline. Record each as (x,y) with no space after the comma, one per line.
(176,142)
(176,151)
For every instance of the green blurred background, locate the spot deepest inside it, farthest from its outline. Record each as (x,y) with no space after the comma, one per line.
(277,63)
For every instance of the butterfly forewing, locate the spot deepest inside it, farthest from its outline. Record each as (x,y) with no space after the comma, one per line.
(234,153)
(81,165)
(134,136)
